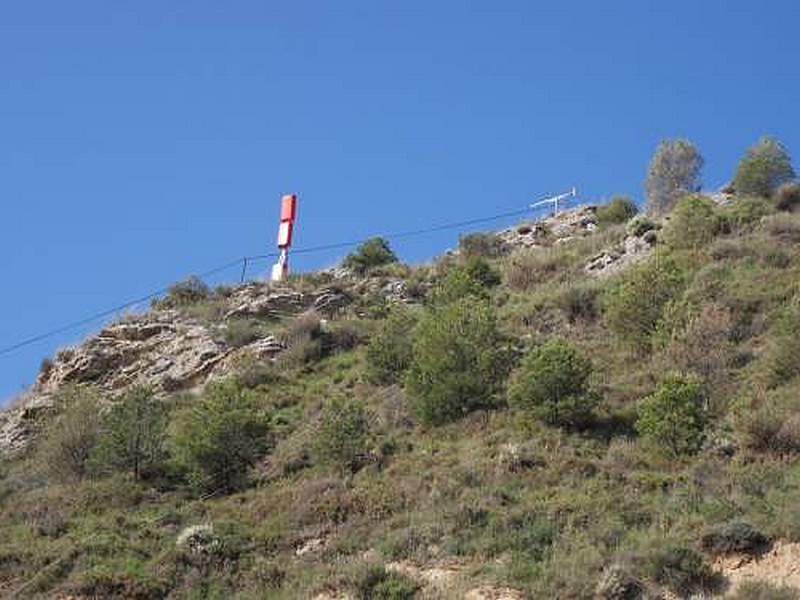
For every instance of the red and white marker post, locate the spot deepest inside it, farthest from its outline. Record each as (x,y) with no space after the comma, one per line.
(288,213)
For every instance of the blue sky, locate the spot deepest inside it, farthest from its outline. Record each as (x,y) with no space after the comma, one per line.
(141,142)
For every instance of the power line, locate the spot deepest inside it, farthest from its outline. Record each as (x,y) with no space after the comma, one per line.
(244,262)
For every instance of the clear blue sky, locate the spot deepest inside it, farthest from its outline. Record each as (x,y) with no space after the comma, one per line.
(141,142)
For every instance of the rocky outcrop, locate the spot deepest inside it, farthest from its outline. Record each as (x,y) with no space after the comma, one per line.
(630,251)
(556,229)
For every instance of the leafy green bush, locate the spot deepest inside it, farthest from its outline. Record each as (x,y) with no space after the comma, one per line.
(480,270)
(787,197)
(580,302)
(674,416)
(552,385)
(639,225)
(376,583)
(372,253)
(674,172)
(219,437)
(620,209)
(743,213)
(240,332)
(765,167)
(457,363)
(633,307)
(69,439)
(693,223)
(389,350)
(485,245)
(133,436)
(343,436)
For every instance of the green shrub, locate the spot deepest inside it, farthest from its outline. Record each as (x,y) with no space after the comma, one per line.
(743,213)
(737,537)
(674,416)
(389,350)
(580,302)
(485,245)
(765,167)
(184,293)
(787,197)
(376,583)
(693,223)
(768,422)
(240,332)
(633,307)
(552,385)
(343,436)
(219,437)
(456,363)
(526,269)
(620,209)
(784,227)
(471,279)
(680,569)
(303,341)
(133,436)
(674,172)
(639,225)
(69,439)
(373,253)
(784,349)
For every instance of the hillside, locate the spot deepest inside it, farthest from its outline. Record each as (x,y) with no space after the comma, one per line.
(596,405)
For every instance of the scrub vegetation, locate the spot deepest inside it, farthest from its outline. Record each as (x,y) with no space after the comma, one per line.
(539,427)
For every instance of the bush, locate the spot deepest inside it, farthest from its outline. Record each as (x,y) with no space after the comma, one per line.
(743,213)
(787,197)
(372,253)
(673,417)
(674,172)
(343,436)
(240,332)
(579,302)
(484,245)
(679,568)
(69,439)
(633,307)
(784,348)
(303,340)
(376,583)
(768,422)
(620,209)
(783,226)
(219,437)
(456,363)
(765,167)
(694,222)
(184,293)
(389,351)
(732,537)
(470,279)
(552,385)
(527,269)
(639,225)
(133,436)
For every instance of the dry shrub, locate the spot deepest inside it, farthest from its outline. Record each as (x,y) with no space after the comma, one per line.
(303,341)
(783,226)
(704,345)
(768,422)
(788,196)
(526,269)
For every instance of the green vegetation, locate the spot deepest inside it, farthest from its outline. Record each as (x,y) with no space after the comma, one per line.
(673,417)
(764,168)
(620,209)
(218,438)
(552,385)
(375,252)
(513,420)
(674,172)
(457,364)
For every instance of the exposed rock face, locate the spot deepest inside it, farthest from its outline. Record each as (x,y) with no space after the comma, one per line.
(632,250)
(555,229)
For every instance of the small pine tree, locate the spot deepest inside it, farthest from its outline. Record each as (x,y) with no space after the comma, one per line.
(457,363)
(219,437)
(764,168)
(552,385)
(674,416)
(389,350)
(372,253)
(694,222)
(133,436)
(674,172)
(343,436)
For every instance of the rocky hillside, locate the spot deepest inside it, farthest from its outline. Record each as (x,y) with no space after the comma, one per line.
(596,405)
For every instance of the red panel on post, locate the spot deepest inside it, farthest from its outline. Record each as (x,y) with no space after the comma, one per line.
(288,207)
(285,234)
